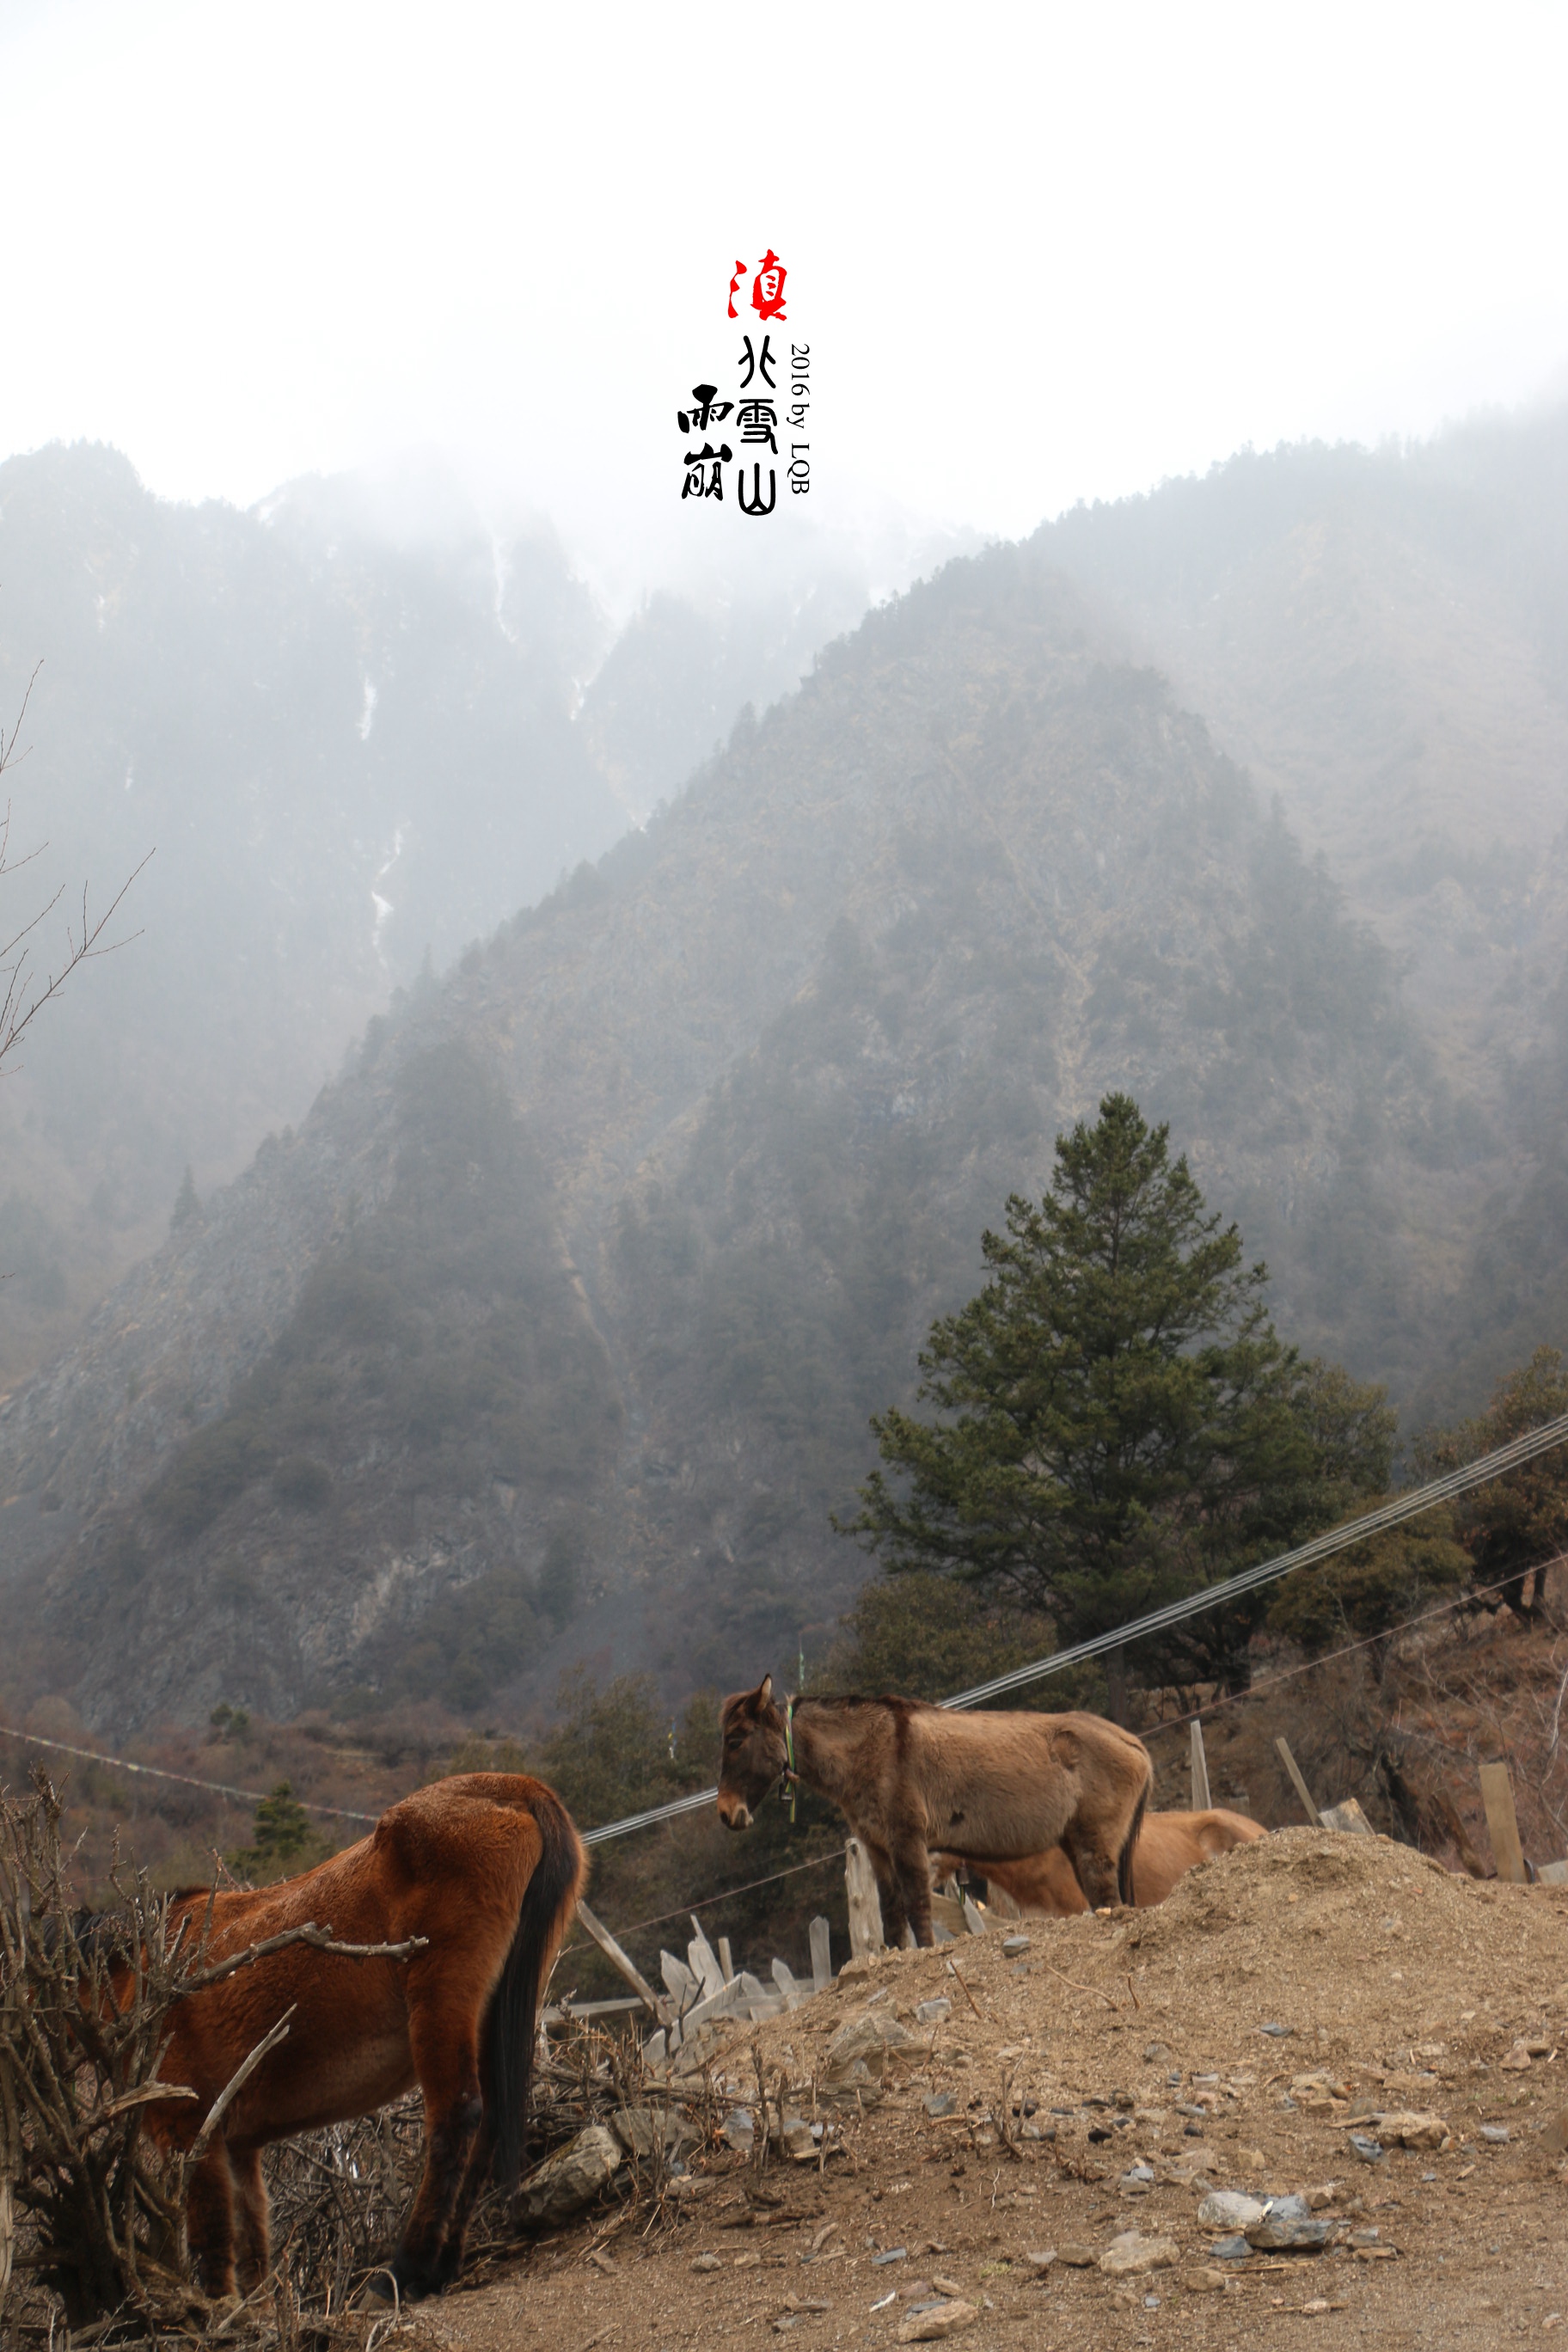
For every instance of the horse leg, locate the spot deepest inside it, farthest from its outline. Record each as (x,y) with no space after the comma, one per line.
(888,1893)
(1094,1870)
(209,2220)
(911,1866)
(474,2179)
(448,2069)
(250,2197)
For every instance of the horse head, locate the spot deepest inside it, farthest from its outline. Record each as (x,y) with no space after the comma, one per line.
(754,1753)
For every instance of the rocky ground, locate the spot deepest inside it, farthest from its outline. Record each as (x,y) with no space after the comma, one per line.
(1293,2007)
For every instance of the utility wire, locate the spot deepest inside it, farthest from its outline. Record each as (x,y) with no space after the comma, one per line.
(186,1779)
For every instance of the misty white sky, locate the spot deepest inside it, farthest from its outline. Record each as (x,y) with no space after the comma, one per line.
(1040,252)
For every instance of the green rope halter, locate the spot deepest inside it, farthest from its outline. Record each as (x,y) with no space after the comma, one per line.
(791,1775)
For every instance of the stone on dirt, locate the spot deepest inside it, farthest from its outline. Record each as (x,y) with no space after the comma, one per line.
(866,2039)
(641,2129)
(1227,2209)
(572,2178)
(1287,2227)
(1130,2254)
(942,2319)
(1412,2126)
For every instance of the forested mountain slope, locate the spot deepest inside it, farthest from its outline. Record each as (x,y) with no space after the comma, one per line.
(550,1334)
(358,734)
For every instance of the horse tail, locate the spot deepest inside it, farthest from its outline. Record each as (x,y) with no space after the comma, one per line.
(513,2019)
(1129,1843)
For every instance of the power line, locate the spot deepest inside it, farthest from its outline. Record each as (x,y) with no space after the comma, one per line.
(726,1895)
(1479,1473)
(1346,1650)
(186,1779)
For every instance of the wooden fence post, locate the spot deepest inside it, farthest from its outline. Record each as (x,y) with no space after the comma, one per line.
(865,1903)
(821,1956)
(1299,1784)
(1497,1795)
(612,1951)
(1202,1800)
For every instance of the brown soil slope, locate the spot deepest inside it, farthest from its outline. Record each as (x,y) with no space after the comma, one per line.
(1140,2042)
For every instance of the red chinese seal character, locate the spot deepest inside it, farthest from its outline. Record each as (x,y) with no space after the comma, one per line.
(740,273)
(768,287)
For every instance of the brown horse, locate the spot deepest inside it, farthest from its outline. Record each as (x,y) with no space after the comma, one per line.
(1168,1845)
(487,1868)
(908,1777)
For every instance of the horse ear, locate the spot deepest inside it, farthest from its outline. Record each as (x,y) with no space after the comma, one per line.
(765,1690)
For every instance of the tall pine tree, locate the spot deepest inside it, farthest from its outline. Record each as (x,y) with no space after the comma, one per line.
(1117,1421)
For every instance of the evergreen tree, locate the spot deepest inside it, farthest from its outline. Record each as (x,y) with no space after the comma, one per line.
(1518,1523)
(1366,1593)
(284,1844)
(1118,1421)
(188,1209)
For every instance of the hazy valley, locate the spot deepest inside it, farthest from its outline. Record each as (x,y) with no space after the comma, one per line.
(550,1333)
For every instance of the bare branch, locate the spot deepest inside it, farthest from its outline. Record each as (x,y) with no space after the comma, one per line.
(237,2083)
(8,755)
(320,1939)
(21,998)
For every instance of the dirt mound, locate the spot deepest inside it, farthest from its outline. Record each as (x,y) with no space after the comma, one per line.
(1034,2121)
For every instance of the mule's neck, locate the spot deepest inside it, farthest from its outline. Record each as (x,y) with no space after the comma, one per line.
(822,1749)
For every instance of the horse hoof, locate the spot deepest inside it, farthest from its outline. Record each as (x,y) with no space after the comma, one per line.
(381,2289)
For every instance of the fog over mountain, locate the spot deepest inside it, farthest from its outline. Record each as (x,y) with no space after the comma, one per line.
(359,728)
(550,1332)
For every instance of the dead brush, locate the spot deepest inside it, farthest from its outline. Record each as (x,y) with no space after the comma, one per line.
(91,2225)
(93,2214)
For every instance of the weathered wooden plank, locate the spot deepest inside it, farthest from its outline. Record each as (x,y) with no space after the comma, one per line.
(730,2000)
(682,1985)
(1554,1874)
(973,1917)
(1202,1800)
(703,1962)
(726,1958)
(1496,1796)
(865,1903)
(1347,1816)
(790,1987)
(1299,1784)
(821,1955)
(612,1951)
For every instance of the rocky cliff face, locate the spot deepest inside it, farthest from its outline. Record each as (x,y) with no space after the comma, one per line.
(550,1334)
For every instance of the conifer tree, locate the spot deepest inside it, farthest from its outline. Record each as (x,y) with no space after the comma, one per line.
(1116,1421)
